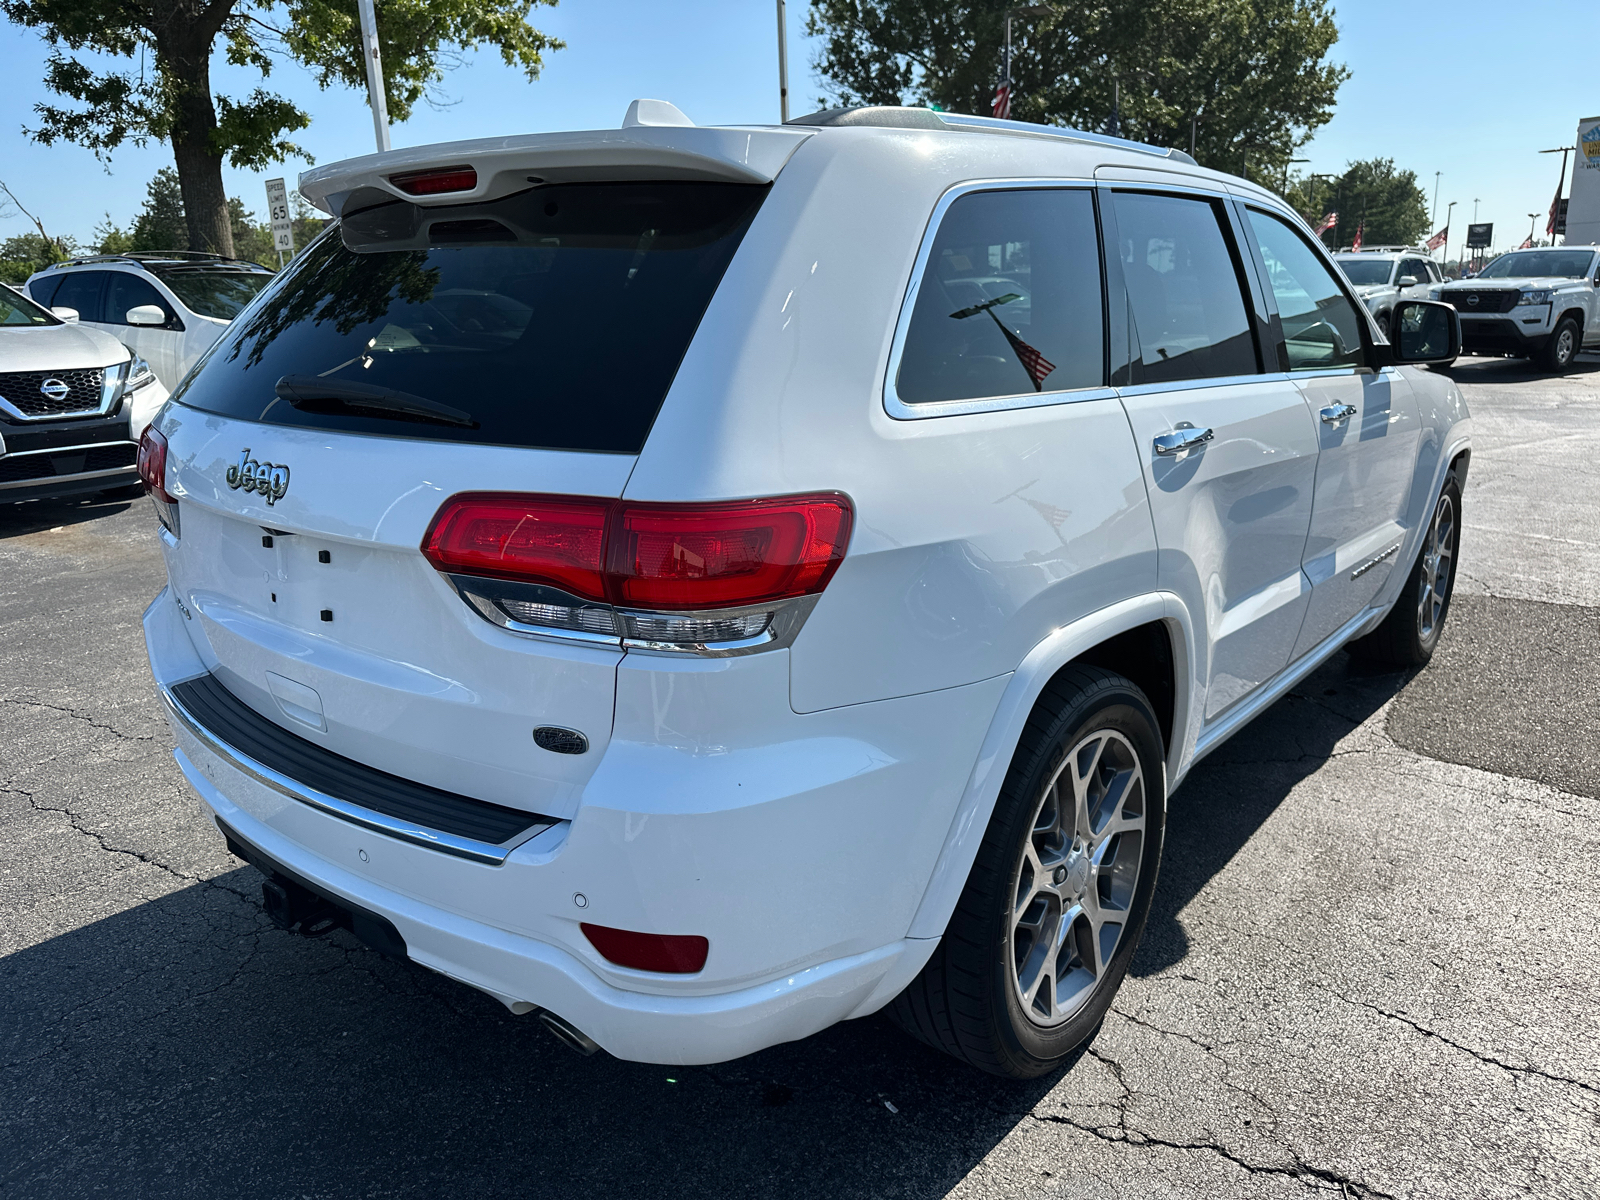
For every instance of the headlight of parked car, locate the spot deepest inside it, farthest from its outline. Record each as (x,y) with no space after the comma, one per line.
(1537,296)
(136,373)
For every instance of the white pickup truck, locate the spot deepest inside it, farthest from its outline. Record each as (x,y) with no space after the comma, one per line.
(1539,304)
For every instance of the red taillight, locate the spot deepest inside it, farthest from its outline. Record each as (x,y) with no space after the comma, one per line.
(682,556)
(651,556)
(153,463)
(436,180)
(553,540)
(667,953)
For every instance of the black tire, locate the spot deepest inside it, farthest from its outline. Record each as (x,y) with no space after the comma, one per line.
(1559,352)
(1410,633)
(967,1001)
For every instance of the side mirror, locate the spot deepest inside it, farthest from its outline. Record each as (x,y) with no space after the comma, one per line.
(1406,281)
(1424,331)
(69,315)
(146,314)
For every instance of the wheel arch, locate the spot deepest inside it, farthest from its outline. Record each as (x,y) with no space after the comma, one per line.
(1132,637)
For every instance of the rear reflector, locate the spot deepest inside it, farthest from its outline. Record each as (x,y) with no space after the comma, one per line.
(665,953)
(436,180)
(672,557)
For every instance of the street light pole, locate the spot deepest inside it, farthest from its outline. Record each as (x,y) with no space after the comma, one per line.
(1560,183)
(369,51)
(783,63)
(1532,217)
(1448,212)
(1433,217)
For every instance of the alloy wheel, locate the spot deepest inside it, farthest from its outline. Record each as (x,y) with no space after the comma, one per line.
(1073,888)
(1438,561)
(1566,344)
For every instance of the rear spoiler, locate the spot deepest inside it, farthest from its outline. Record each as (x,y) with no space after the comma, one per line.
(509,164)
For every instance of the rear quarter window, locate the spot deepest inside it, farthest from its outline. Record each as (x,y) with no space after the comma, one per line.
(554,318)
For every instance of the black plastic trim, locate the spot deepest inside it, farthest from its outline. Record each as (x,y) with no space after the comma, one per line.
(239,726)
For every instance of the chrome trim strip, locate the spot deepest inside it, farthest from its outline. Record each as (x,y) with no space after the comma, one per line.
(405,831)
(43,479)
(898,408)
(69,449)
(1253,705)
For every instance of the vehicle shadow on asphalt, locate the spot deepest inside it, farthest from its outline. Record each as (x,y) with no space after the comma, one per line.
(186,1047)
(18,520)
(1235,790)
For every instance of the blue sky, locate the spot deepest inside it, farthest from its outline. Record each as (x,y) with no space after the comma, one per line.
(1475,100)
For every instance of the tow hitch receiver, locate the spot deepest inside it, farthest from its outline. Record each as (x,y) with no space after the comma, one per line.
(292,901)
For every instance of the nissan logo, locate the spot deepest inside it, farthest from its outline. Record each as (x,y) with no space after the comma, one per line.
(55,389)
(1472,300)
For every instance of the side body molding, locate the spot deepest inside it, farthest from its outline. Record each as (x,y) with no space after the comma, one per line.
(1036,670)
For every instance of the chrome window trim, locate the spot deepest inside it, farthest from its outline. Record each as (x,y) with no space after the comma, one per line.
(1194,385)
(405,831)
(899,409)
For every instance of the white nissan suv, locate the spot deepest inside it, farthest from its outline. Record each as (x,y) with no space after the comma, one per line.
(702,584)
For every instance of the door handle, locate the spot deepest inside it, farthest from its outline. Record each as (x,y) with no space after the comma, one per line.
(1334,414)
(1177,444)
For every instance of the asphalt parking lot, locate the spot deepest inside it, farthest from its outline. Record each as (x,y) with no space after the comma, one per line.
(1370,972)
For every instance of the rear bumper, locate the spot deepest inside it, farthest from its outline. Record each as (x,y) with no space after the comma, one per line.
(800,846)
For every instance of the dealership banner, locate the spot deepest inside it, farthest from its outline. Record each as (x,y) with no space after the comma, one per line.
(1583,206)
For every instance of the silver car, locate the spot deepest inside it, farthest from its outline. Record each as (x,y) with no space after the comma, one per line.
(1384,275)
(73,402)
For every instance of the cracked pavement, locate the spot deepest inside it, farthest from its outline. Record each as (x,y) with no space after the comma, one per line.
(1368,972)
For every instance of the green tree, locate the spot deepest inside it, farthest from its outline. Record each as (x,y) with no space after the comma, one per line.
(27,253)
(251,238)
(162,224)
(1389,202)
(1249,80)
(165,92)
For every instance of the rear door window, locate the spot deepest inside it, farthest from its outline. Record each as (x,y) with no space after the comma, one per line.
(1009,302)
(1185,289)
(552,318)
(81,290)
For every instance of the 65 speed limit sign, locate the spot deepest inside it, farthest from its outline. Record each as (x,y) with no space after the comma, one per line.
(278,214)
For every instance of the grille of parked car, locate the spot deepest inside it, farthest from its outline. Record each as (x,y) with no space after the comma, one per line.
(1491,300)
(18,468)
(23,391)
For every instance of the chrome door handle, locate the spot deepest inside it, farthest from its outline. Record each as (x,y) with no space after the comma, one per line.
(1335,413)
(1179,442)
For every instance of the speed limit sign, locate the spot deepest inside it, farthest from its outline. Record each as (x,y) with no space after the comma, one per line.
(278,214)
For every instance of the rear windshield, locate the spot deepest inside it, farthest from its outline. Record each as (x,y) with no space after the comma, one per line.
(219,294)
(554,318)
(1365,272)
(1570,264)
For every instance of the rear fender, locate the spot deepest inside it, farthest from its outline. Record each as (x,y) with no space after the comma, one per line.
(1005,731)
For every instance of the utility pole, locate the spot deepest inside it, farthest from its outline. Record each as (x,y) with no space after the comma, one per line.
(783,63)
(369,49)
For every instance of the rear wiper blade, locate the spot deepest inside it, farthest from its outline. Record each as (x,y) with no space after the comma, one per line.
(311,391)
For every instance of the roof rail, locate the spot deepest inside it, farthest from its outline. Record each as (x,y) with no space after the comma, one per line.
(141,257)
(887,116)
(1386,250)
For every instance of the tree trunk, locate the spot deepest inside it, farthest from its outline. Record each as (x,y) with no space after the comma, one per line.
(205,203)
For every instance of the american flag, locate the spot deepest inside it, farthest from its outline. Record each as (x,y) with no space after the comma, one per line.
(1360,229)
(1439,238)
(1002,101)
(1035,364)
(1555,207)
(1527,244)
(1328,221)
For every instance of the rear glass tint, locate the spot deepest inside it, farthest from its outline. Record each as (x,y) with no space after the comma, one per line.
(555,318)
(219,294)
(1010,300)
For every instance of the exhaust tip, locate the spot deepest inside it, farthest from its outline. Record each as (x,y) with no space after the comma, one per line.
(568,1034)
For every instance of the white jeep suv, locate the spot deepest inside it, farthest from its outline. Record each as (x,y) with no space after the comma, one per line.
(167,307)
(1538,304)
(703,584)
(1383,275)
